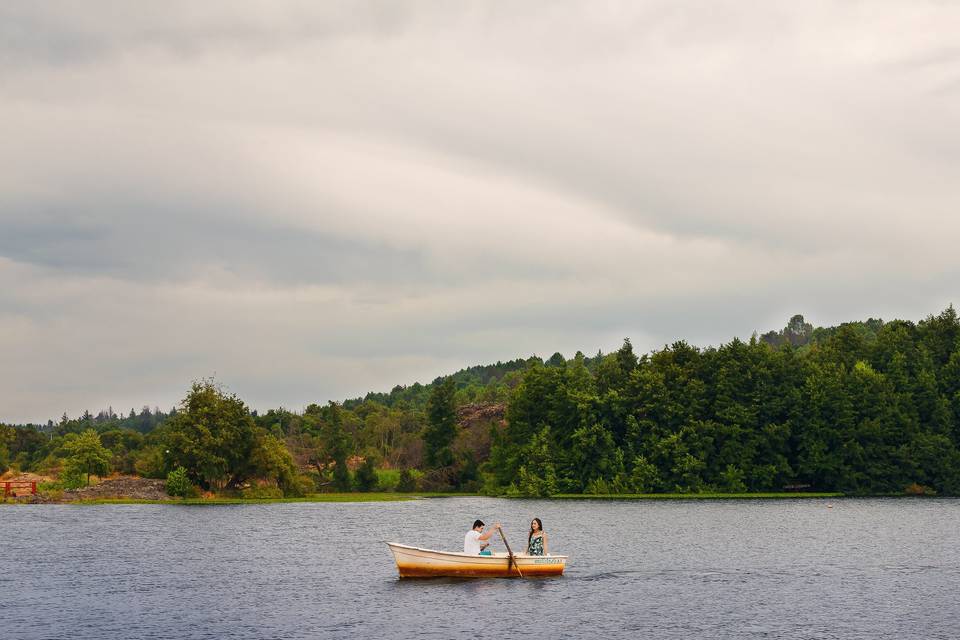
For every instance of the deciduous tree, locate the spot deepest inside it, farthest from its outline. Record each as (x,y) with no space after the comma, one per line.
(86,454)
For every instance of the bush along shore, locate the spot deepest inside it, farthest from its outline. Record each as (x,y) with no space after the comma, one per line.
(863,408)
(134,490)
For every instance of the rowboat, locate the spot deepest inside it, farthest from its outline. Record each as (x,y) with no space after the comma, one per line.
(414,562)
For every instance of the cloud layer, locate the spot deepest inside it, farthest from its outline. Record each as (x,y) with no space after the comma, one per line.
(315,201)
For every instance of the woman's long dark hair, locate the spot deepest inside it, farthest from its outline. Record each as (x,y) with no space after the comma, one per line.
(539,528)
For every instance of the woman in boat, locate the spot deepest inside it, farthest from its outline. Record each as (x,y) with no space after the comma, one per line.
(537,540)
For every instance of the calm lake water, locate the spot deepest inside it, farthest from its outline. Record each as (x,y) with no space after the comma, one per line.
(733,569)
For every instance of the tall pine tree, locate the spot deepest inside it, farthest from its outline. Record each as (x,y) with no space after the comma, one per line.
(442,428)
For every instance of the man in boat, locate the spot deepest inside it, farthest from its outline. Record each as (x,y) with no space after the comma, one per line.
(475,540)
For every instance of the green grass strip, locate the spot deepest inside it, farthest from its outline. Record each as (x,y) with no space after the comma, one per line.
(393,497)
(692,496)
(316,497)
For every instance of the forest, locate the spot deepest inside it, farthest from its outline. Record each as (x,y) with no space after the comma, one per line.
(863,408)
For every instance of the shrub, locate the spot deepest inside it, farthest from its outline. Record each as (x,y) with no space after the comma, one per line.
(537,486)
(51,464)
(732,480)
(149,463)
(366,476)
(406,482)
(272,461)
(178,484)
(50,490)
(919,490)
(645,477)
(387,479)
(261,492)
(298,486)
(72,476)
(312,482)
(54,495)
(597,486)
(490,486)
(293,484)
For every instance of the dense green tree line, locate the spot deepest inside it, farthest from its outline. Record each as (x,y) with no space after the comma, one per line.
(481,383)
(867,407)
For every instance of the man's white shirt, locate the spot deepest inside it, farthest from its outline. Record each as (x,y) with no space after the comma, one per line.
(471,542)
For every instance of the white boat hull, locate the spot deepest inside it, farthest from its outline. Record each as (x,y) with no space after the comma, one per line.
(414,562)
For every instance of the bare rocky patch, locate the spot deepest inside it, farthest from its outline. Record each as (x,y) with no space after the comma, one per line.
(122,487)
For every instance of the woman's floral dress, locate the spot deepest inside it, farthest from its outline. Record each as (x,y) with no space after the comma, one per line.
(535,548)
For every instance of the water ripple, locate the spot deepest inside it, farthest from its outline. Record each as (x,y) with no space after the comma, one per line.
(877,569)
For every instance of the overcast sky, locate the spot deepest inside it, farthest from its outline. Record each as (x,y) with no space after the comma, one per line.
(313,200)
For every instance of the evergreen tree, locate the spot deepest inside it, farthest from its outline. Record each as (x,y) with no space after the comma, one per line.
(367,475)
(442,425)
(337,445)
(7,435)
(407,482)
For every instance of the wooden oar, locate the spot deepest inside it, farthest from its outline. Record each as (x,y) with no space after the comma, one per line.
(510,558)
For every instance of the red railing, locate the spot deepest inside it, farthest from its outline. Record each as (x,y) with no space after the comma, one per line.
(9,487)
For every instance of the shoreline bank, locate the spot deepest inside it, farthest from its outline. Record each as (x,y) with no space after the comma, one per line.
(396,497)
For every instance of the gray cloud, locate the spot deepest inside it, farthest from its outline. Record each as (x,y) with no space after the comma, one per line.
(314,201)
(147,242)
(72,33)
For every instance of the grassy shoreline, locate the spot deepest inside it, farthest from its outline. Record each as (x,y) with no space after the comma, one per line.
(317,497)
(695,496)
(395,497)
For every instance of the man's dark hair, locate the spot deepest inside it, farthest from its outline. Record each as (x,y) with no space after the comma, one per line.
(477,523)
